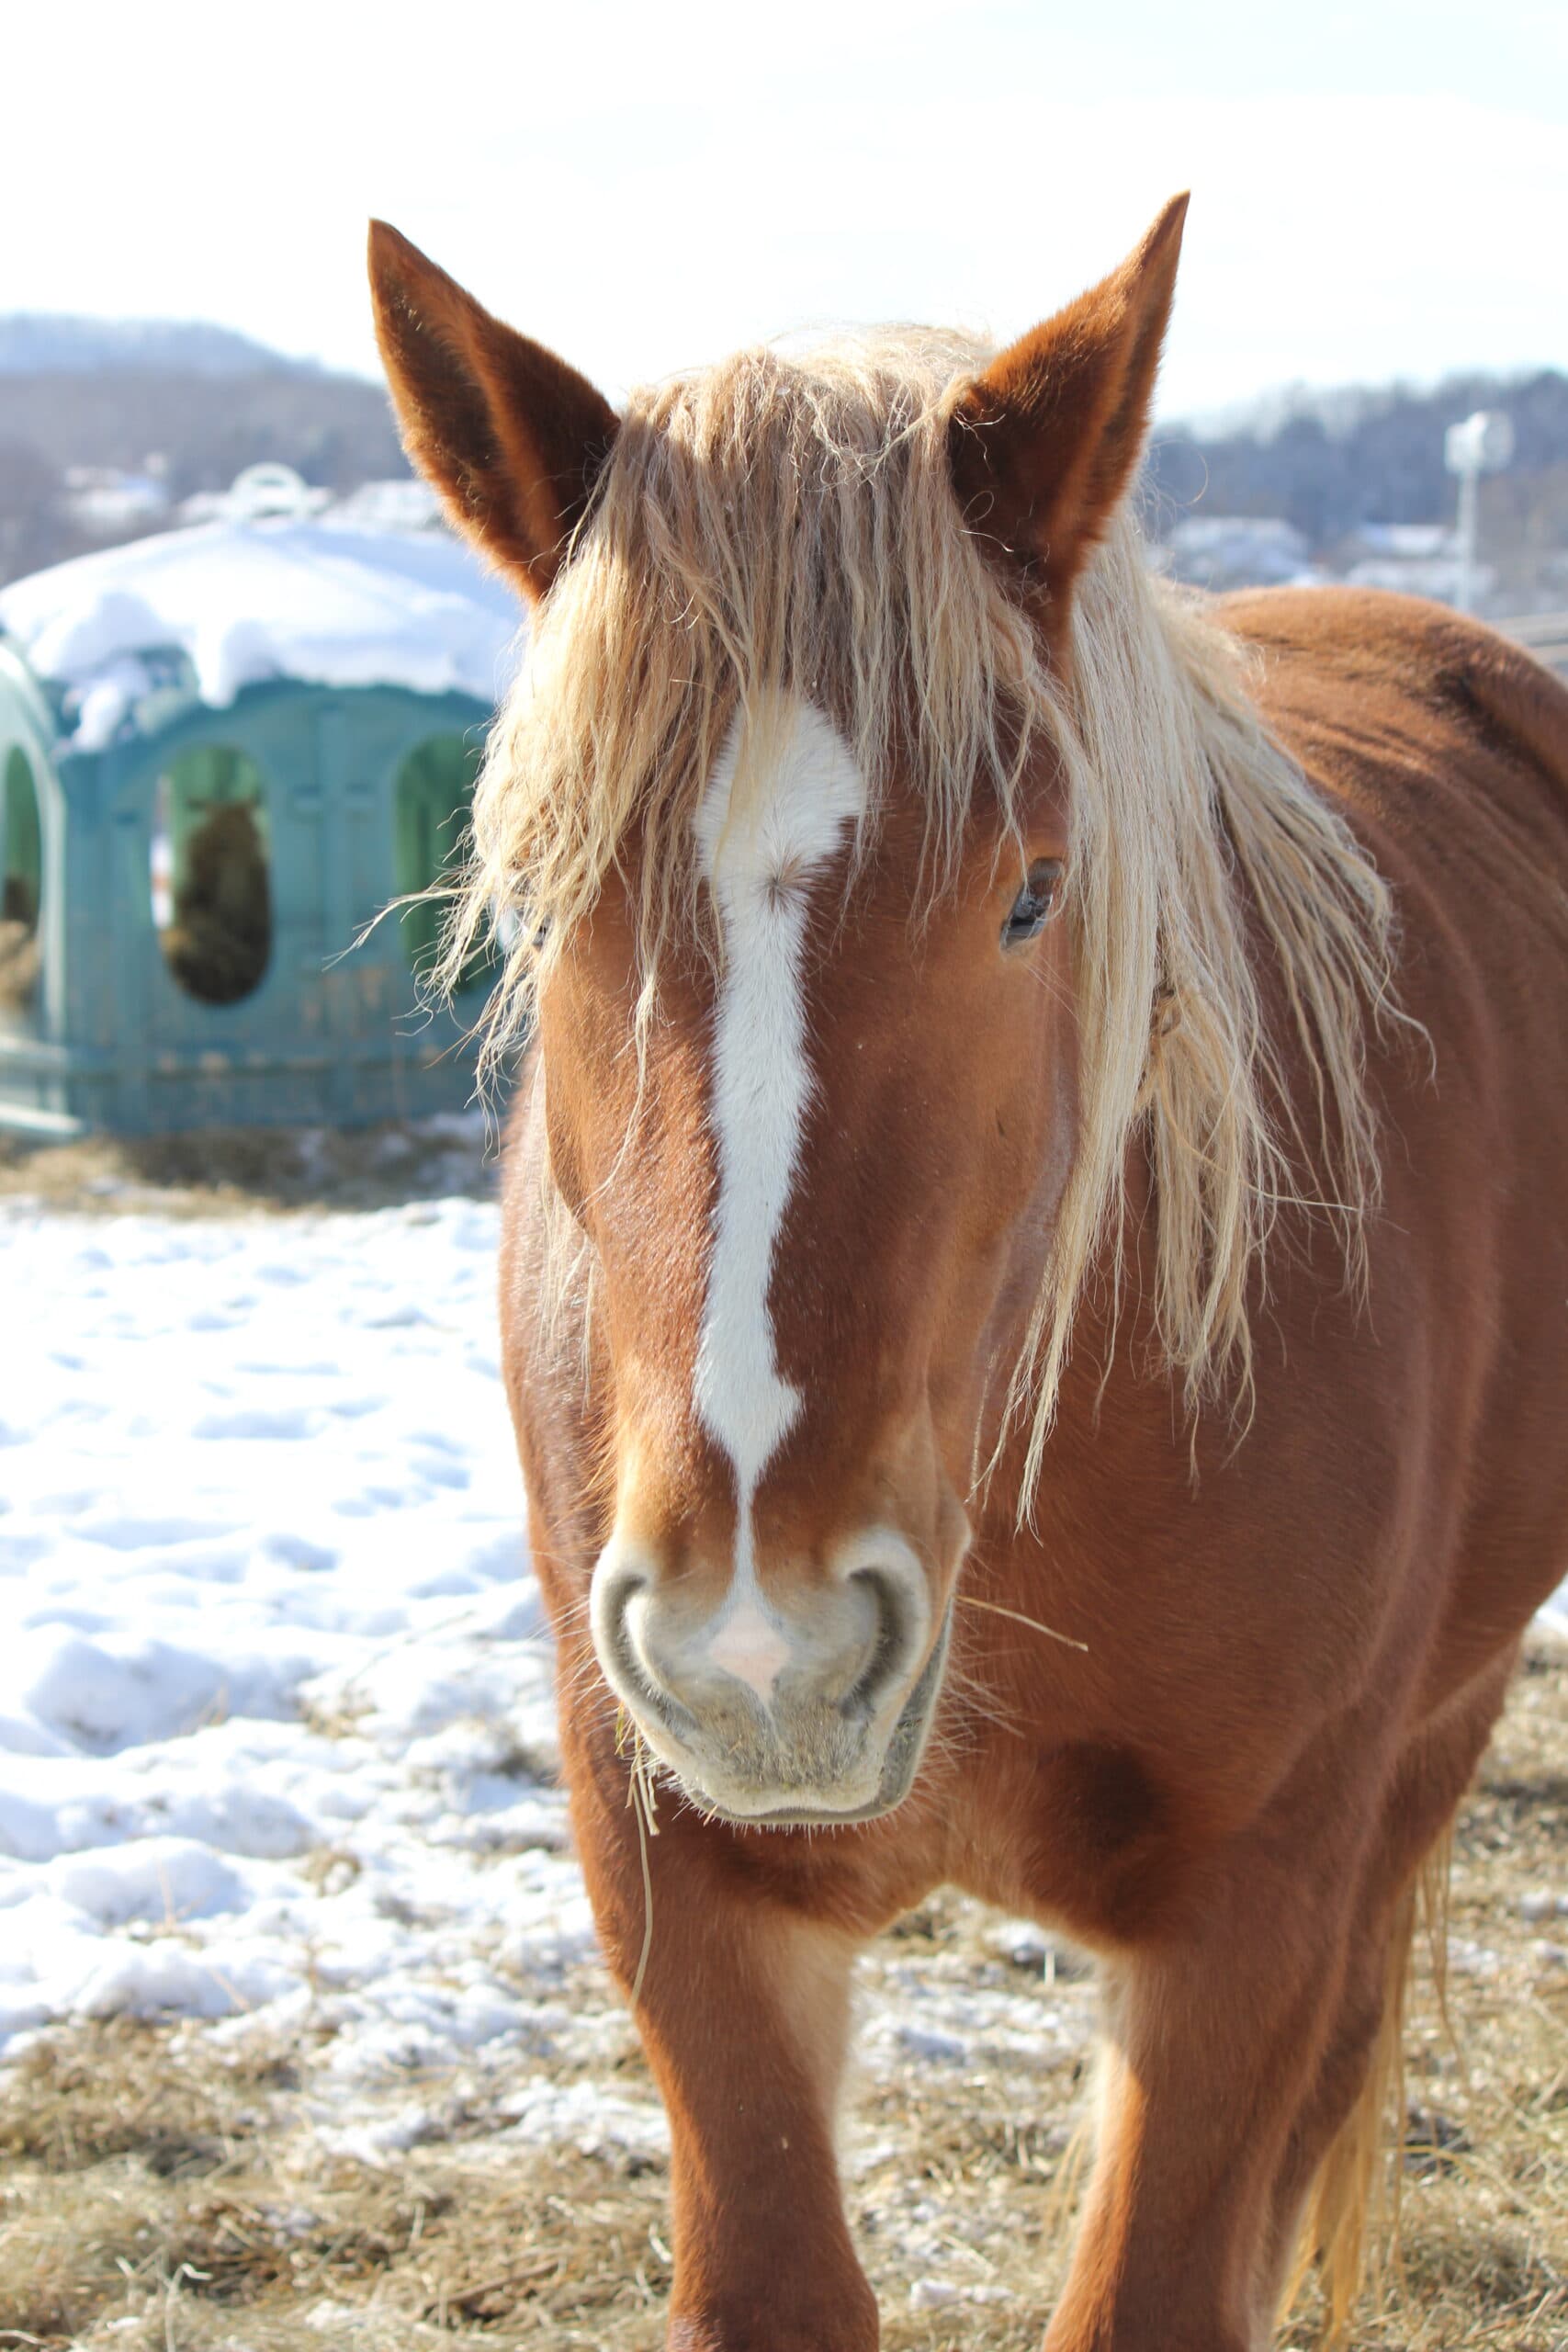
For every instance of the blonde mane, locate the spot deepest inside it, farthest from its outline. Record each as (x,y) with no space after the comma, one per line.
(787,523)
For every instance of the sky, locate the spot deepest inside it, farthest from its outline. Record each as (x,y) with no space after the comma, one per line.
(1379,190)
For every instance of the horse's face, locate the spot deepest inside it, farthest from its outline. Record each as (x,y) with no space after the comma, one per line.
(830,1190)
(820,1209)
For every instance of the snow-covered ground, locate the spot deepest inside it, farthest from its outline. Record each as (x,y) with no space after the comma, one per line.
(276,1733)
(276,1736)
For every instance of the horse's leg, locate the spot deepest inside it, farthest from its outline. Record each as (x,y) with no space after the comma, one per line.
(1334,2143)
(1238,2048)
(1215,2029)
(743,2010)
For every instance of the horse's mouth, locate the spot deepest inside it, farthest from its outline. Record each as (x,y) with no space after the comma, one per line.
(804,1809)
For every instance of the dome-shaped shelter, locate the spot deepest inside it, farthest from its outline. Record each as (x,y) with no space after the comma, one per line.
(222,752)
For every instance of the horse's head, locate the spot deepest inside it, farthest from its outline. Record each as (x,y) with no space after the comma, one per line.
(790,847)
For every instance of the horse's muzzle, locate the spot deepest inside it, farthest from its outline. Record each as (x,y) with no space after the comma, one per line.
(813,1709)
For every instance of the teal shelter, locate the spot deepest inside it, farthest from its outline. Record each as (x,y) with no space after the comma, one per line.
(222,752)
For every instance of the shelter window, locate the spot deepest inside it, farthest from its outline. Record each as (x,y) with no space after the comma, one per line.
(211,879)
(431,807)
(21,882)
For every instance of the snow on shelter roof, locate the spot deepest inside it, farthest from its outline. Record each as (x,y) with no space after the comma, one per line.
(246,601)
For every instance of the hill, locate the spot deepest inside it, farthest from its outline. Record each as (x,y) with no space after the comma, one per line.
(189,404)
(50,343)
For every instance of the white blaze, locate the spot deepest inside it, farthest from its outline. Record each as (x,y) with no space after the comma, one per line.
(763,835)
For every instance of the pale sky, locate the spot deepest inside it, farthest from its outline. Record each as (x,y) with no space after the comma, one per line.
(1379,189)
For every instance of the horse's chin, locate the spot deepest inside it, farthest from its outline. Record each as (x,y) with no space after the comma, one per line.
(881,1790)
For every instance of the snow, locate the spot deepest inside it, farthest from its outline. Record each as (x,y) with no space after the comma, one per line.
(321,601)
(1553,1617)
(277,1745)
(276,1726)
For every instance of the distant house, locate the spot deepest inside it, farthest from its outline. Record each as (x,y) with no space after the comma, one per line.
(222,752)
(108,503)
(1413,559)
(1239,551)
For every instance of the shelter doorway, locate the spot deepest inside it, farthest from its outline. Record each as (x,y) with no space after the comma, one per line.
(21,884)
(209,873)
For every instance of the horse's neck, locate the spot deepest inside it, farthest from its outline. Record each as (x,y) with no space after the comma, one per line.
(1112,1371)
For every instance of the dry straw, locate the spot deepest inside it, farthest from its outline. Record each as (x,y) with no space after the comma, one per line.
(786,523)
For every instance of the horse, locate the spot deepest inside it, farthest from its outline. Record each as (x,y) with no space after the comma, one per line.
(1034,1255)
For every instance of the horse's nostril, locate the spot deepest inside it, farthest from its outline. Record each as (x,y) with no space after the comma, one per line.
(611,1604)
(615,1591)
(890,1640)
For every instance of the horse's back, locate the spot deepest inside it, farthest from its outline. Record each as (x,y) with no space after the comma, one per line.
(1447,748)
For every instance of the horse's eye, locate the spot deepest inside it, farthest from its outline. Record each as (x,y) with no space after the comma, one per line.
(1035,903)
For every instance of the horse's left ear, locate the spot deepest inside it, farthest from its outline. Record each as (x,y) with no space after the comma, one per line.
(511,437)
(1043,444)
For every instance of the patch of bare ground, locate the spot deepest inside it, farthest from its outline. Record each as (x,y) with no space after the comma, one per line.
(164,2188)
(226,1171)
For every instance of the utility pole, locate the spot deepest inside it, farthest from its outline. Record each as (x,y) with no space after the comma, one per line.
(1483,444)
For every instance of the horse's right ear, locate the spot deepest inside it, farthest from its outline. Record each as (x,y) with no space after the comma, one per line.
(1045,443)
(511,437)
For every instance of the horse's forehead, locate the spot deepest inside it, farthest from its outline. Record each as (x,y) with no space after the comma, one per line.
(784,795)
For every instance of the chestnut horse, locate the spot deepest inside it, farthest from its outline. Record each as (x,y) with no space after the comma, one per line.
(1049,1103)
